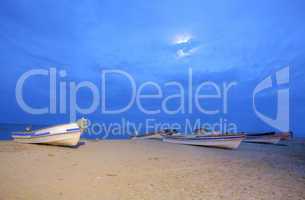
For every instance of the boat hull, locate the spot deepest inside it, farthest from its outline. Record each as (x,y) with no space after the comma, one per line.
(272,139)
(285,135)
(64,139)
(218,142)
(268,137)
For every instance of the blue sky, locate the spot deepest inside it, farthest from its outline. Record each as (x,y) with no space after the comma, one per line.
(222,41)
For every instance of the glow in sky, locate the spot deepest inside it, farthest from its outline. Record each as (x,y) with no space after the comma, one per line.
(182,38)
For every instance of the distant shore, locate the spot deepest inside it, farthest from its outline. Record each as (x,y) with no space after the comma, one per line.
(139,169)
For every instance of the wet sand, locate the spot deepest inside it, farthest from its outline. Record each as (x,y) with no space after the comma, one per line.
(138,169)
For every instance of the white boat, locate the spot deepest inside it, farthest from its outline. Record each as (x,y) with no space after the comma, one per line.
(219,141)
(62,135)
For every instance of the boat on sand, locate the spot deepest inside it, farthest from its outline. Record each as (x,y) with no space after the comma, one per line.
(268,137)
(148,136)
(219,141)
(205,137)
(62,135)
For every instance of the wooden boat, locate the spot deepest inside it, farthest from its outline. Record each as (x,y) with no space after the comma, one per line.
(260,134)
(268,137)
(285,135)
(219,141)
(157,135)
(150,136)
(62,135)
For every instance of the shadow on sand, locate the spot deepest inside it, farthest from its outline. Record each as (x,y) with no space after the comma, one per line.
(73,147)
(78,145)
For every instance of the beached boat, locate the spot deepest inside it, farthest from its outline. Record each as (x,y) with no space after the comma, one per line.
(268,137)
(151,136)
(285,135)
(156,135)
(219,141)
(62,135)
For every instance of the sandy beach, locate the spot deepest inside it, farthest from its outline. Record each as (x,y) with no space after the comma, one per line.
(139,169)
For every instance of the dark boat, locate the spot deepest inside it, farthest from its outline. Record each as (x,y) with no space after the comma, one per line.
(268,137)
(260,134)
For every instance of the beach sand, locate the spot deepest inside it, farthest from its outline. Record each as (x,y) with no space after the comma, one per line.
(139,169)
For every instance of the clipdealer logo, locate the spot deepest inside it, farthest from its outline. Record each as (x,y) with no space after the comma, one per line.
(281,84)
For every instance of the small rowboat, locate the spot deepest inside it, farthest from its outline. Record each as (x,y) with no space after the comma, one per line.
(62,135)
(268,137)
(148,136)
(285,135)
(219,141)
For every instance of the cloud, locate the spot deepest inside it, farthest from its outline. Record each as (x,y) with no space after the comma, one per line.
(181,53)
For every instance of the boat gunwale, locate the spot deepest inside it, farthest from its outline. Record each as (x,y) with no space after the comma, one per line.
(37,136)
(263,136)
(231,137)
(52,126)
(219,140)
